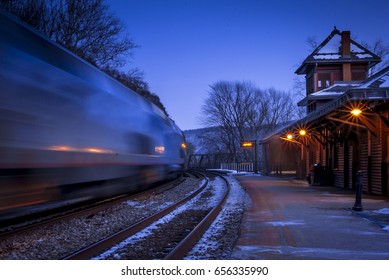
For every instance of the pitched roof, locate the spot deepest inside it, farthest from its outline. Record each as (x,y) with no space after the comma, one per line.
(330,51)
(378,80)
(330,92)
(375,88)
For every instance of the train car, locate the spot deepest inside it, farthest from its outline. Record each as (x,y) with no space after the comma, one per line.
(69,132)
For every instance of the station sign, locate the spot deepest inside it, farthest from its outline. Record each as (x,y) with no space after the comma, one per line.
(247,144)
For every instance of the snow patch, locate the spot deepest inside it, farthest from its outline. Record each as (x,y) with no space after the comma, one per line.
(386,228)
(211,241)
(382,211)
(286,223)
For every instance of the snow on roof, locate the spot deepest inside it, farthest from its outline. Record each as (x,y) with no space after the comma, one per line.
(327,56)
(330,50)
(333,49)
(378,80)
(336,89)
(374,88)
(386,82)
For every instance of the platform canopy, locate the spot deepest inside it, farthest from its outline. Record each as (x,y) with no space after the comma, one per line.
(353,106)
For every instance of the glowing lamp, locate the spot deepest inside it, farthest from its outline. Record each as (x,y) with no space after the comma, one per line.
(289,136)
(247,144)
(303,132)
(356,112)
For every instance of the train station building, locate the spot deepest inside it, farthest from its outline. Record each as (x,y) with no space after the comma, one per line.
(344,138)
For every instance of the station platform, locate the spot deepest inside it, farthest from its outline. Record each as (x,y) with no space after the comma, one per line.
(288,219)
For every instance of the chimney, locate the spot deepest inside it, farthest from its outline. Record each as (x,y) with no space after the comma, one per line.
(346,44)
(346,54)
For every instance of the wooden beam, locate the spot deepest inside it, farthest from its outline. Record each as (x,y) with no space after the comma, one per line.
(366,124)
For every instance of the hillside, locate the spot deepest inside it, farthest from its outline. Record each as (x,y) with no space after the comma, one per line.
(202,140)
(206,140)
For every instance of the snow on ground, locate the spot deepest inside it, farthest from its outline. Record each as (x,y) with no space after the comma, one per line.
(235,172)
(286,223)
(382,211)
(213,187)
(218,241)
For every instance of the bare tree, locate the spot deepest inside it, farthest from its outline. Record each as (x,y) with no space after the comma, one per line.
(379,48)
(280,108)
(298,93)
(312,43)
(237,109)
(85,27)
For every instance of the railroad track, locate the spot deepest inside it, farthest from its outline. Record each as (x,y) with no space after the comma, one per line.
(60,239)
(183,247)
(31,222)
(57,238)
(178,229)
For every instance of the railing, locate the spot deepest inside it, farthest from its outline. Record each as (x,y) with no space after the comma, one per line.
(238,166)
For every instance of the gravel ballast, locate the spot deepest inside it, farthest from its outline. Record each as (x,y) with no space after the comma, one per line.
(63,238)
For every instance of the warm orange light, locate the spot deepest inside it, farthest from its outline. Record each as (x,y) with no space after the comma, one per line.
(93,150)
(96,150)
(247,144)
(61,148)
(289,136)
(303,132)
(356,112)
(183,145)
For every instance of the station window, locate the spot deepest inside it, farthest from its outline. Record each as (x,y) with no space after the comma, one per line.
(323,80)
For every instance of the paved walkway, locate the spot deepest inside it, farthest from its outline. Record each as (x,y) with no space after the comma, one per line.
(288,219)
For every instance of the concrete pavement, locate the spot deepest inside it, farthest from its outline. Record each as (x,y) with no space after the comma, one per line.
(288,219)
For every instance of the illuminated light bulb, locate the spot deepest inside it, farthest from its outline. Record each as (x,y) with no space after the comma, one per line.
(289,136)
(356,112)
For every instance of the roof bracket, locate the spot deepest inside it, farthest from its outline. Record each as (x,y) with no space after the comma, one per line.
(382,118)
(366,124)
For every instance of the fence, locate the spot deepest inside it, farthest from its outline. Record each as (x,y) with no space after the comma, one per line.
(238,166)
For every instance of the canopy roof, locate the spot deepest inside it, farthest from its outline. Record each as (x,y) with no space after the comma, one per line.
(371,95)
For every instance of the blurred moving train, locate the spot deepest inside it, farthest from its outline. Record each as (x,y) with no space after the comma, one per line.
(69,132)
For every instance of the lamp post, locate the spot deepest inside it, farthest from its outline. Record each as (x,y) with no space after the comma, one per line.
(358,194)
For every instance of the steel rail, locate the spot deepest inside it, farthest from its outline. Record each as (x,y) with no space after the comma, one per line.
(98,247)
(183,247)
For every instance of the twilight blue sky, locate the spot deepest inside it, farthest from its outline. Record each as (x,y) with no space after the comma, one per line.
(186,45)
